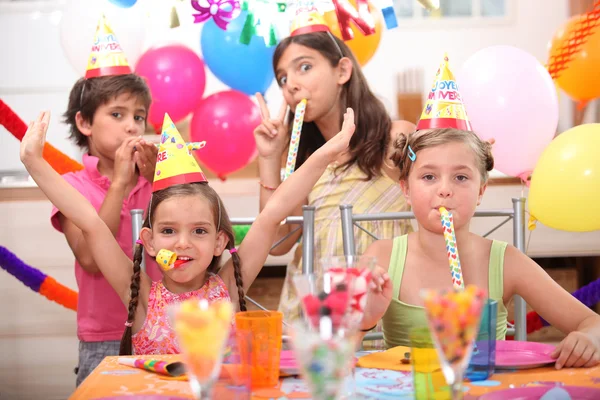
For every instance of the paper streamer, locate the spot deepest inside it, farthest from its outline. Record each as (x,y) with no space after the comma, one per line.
(160,367)
(295,139)
(452,249)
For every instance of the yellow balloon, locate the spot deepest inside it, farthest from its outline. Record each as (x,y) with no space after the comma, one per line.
(565,184)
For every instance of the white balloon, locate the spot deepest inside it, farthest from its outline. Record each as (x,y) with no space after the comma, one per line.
(79,22)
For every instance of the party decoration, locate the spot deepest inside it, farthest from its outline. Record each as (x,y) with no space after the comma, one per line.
(226,57)
(308,20)
(575,56)
(107,57)
(430,5)
(226,120)
(79,22)
(124,3)
(360,16)
(499,85)
(221,11)
(158,366)
(166,259)
(565,185)
(451,248)
(295,138)
(174,18)
(569,40)
(177,79)
(388,13)
(17,127)
(363,46)
(261,20)
(175,164)
(240,232)
(37,281)
(444,107)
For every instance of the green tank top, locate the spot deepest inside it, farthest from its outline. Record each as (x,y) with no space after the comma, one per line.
(400,317)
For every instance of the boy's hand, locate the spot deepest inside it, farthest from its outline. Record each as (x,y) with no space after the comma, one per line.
(124,169)
(578,349)
(338,144)
(144,157)
(32,145)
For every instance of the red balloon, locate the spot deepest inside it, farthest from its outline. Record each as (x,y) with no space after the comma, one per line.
(176,77)
(226,121)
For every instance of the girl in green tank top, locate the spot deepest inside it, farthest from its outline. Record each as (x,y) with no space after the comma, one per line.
(449,167)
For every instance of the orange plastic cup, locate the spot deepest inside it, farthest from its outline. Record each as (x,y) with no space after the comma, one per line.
(260,350)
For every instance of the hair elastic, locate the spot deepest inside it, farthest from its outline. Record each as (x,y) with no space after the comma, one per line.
(232,250)
(128,324)
(411,154)
(139,242)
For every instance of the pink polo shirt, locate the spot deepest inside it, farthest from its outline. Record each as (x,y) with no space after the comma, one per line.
(100,312)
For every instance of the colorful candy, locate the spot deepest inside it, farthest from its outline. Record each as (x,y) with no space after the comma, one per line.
(166,259)
(454,319)
(290,164)
(324,363)
(451,248)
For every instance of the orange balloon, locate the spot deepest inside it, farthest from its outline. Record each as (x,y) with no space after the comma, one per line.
(580,78)
(363,47)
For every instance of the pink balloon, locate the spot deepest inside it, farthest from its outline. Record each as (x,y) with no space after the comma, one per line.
(176,77)
(510,96)
(226,120)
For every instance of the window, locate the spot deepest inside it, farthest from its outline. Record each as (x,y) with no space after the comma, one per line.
(454,9)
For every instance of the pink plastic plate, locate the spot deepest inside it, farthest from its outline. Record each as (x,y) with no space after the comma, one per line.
(287,362)
(512,354)
(536,393)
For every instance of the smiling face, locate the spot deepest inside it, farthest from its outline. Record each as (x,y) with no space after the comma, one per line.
(186,225)
(305,73)
(445,175)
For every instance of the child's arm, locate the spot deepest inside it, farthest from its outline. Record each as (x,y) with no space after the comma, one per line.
(255,247)
(110,211)
(112,261)
(524,277)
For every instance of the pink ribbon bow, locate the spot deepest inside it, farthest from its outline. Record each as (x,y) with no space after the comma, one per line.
(222,11)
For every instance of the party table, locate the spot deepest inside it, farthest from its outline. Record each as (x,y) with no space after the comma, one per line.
(113,381)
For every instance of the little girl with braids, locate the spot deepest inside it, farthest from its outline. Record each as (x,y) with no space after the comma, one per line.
(185,216)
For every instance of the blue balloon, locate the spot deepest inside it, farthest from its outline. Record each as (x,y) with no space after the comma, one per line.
(123,3)
(244,67)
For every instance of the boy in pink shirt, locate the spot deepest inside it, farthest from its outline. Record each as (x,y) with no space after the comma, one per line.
(107,117)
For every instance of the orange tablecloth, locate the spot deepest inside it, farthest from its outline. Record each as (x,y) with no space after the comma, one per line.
(114,381)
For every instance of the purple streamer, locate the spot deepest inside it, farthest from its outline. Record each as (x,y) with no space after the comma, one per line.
(29,276)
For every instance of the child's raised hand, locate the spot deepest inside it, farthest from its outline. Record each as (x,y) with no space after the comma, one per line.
(378,298)
(272,134)
(578,349)
(145,158)
(339,143)
(32,145)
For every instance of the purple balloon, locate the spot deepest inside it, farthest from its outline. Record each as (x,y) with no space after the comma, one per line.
(176,77)
(510,96)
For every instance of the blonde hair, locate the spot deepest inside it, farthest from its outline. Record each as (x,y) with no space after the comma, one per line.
(415,141)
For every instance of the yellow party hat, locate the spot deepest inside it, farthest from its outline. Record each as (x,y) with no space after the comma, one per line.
(444,107)
(107,57)
(175,163)
(308,19)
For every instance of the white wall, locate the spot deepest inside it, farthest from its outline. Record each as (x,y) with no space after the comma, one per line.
(35,74)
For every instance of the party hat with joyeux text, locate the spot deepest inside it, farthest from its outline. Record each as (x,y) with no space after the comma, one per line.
(175,163)
(444,107)
(107,57)
(307,19)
